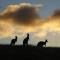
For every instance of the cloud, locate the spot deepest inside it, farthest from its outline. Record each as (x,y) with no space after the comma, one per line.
(19,18)
(56,13)
(24,13)
(5,29)
(23,18)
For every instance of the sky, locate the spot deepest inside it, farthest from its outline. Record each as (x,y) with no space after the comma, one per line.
(14,22)
(48,5)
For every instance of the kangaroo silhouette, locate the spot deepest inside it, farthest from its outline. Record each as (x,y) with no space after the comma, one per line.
(42,43)
(13,41)
(25,41)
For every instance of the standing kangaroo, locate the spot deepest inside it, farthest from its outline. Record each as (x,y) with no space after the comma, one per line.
(25,41)
(41,43)
(13,41)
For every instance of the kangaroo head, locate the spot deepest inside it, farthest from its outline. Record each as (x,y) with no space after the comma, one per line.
(15,37)
(46,41)
(27,34)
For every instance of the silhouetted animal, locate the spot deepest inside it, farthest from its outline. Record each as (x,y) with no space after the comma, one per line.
(13,41)
(25,41)
(41,43)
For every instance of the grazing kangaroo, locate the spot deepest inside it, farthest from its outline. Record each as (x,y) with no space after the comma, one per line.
(25,41)
(13,41)
(41,43)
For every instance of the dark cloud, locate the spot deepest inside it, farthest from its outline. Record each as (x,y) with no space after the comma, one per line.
(56,13)
(25,15)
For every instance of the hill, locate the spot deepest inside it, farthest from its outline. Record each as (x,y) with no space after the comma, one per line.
(29,52)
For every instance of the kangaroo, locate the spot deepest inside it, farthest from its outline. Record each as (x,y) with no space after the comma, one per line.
(13,41)
(25,41)
(41,43)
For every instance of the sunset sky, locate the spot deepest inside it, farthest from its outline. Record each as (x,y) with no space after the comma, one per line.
(39,18)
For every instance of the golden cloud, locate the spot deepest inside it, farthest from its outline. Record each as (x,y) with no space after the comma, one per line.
(22,14)
(5,29)
(24,18)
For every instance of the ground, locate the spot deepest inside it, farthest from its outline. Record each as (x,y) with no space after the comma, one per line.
(30,52)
